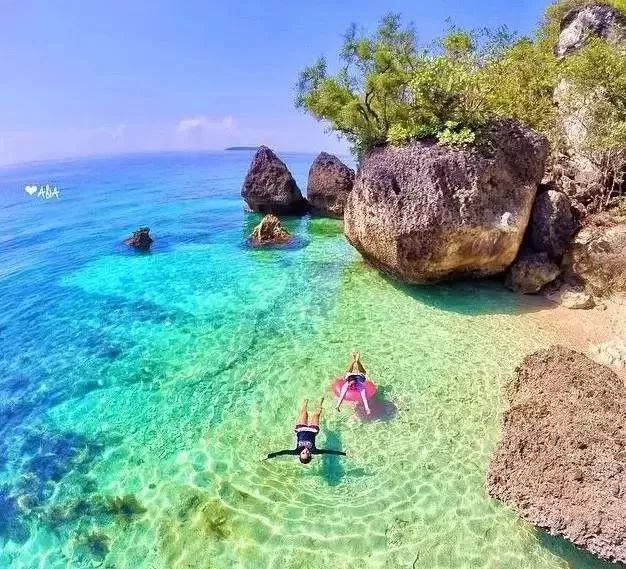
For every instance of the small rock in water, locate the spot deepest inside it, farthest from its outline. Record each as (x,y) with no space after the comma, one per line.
(140,239)
(269,232)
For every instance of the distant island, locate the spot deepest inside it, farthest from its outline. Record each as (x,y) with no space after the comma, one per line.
(242,148)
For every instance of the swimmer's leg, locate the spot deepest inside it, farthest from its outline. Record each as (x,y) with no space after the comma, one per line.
(315,419)
(303,417)
(342,393)
(364,398)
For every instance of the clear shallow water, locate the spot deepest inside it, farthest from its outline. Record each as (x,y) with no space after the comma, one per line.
(139,393)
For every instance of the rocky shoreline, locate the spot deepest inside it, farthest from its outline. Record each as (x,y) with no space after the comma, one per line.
(512,207)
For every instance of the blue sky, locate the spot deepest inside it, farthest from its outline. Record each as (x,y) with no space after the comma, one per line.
(82,77)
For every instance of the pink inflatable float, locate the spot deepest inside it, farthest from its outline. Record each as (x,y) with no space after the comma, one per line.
(353,395)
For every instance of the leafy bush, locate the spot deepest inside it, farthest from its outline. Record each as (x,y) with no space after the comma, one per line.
(389,90)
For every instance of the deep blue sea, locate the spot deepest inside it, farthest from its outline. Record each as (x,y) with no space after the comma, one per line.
(139,393)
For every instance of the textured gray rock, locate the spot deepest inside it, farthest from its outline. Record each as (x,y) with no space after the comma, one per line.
(552,223)
(330,182)
(269,187)
(425,213)
(531,272)
(580,24)
(560,462)
(596,257)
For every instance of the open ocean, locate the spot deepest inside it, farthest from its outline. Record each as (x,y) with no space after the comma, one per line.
(139,393)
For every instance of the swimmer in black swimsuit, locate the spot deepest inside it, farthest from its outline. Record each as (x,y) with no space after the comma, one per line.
(355,377)
(305,432)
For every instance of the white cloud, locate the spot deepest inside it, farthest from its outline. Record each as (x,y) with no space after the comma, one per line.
(204,124)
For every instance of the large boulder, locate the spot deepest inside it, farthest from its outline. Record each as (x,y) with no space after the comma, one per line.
(561,460)
(552,223)
(425,213)
(330,182)
(269,187)
(531,272)
(596,257)
(269,232)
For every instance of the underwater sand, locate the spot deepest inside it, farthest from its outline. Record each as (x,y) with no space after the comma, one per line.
(140,393)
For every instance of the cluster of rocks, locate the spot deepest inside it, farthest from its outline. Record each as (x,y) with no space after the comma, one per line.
(561,461)
(424,213)
(269,186)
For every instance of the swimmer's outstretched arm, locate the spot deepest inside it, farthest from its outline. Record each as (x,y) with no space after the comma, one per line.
(282,453)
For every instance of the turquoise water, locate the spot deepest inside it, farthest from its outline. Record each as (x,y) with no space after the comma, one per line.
(139,393)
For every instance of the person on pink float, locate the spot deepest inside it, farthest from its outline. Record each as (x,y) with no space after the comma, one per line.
(355,378)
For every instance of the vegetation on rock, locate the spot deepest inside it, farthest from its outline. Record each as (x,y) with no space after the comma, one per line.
(391,90)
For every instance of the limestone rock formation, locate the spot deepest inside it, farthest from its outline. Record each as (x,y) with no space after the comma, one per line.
(580,24)
(561,459)
(575,170)
(552,224)
(269,187)
(596,257)
(330,182)
(269,232)
(531,272)
(425,213)
(140,239)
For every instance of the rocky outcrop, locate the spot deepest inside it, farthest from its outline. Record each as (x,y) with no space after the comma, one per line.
(596,258)
(552,224)
(269,232)
(561,459)
(330,182)
(575,170)
(140,239)
(580,24)
(269,187)
(531,272)
(425,213)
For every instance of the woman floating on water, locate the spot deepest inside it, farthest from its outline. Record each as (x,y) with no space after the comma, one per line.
(355,378)
(306,430)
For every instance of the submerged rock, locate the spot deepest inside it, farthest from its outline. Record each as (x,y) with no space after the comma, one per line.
(330,182)
(596,257)
(269,232)
(269,187)
(531,272)
(140,239)
(561,459)
(552,223)
(425,213)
